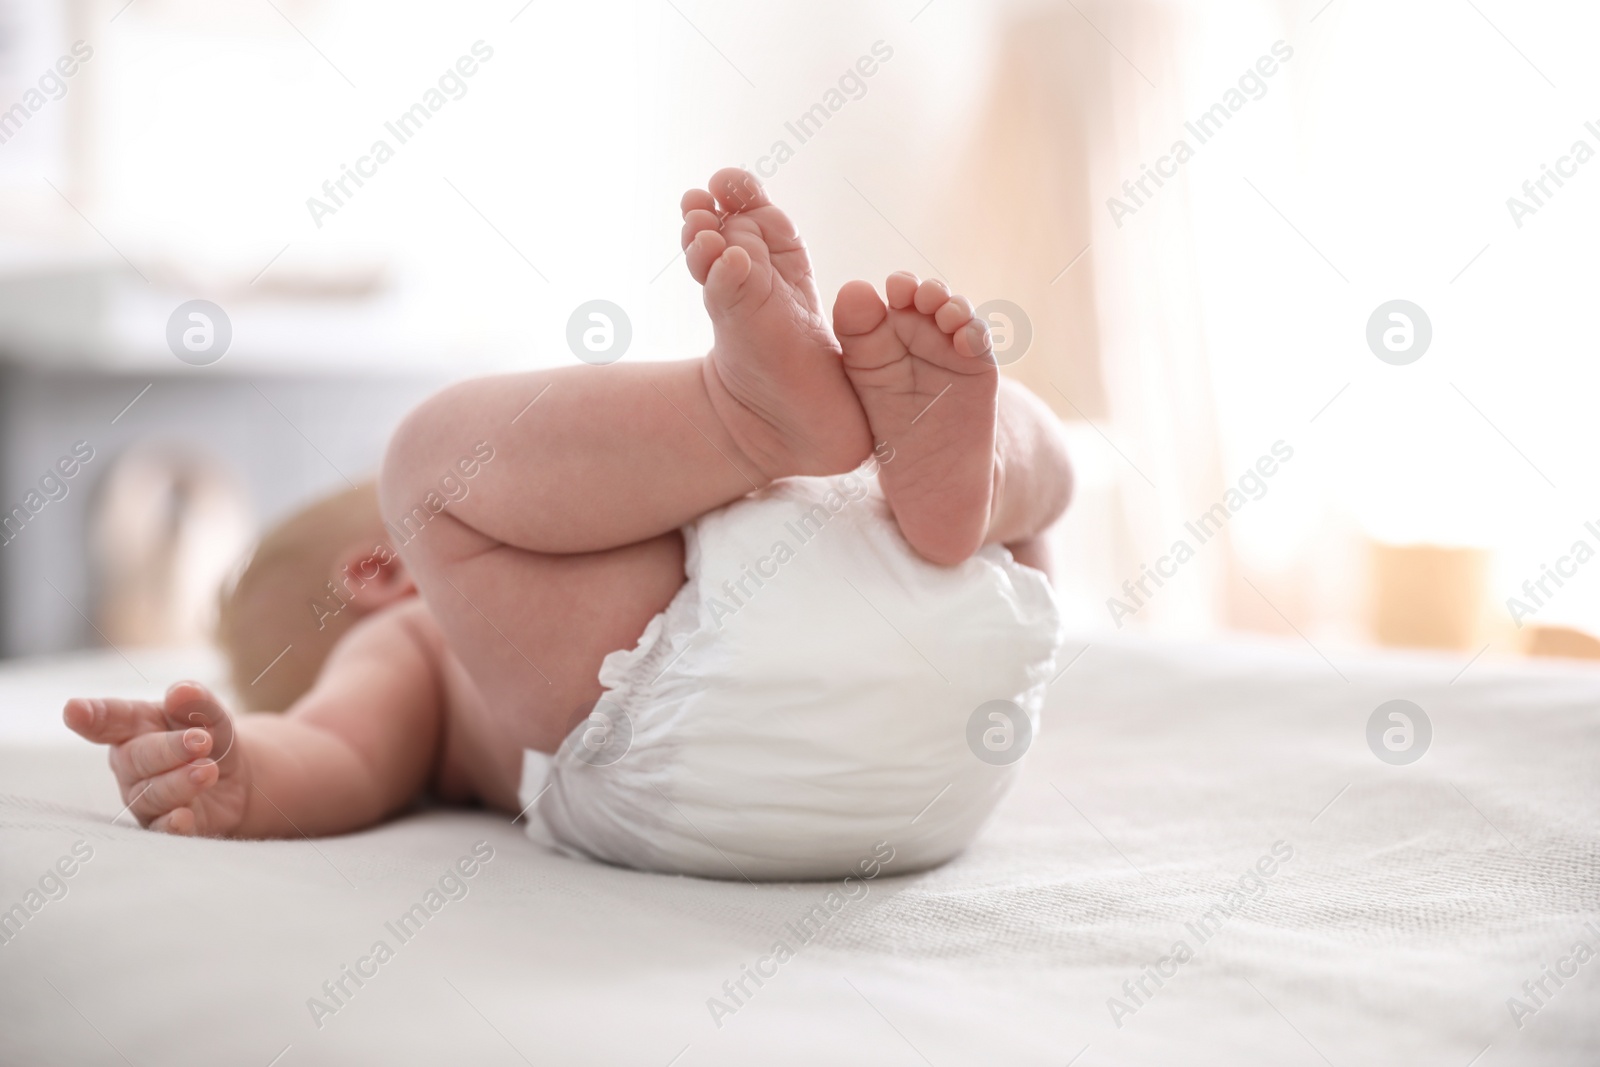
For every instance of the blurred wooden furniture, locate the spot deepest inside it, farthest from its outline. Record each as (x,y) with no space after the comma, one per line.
(1428,596)
(1560,641)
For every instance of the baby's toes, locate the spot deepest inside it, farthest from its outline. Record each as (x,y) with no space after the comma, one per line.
(955,313)
(866,334)
(155,797)
(968,335)
(702,251)
(974,341)
(901,289)
(697,200)
(697,221)
(857,311)
(736,189)
(931,296)
(727,275)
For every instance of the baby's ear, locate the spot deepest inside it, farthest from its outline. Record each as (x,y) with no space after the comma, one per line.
(370,576)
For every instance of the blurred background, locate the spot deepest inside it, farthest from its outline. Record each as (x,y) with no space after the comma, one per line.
(1197,315)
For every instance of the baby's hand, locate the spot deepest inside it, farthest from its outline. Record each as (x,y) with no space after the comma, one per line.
(177,761)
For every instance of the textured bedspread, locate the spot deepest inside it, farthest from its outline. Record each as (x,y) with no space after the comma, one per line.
(1205,863)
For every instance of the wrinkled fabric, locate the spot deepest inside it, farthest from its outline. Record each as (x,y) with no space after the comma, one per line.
(814,692)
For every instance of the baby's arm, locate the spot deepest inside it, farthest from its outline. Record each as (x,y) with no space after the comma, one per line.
(351,752)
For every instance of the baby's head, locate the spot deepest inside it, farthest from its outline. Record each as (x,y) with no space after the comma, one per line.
(308,581)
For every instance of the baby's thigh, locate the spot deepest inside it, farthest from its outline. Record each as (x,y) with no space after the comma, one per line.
(530,629)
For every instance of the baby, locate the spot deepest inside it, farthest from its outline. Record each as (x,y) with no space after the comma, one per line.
(543,519)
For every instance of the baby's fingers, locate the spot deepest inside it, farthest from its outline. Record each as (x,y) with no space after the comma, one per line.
(178,821)
(111,722)
(155,753)
(191,704)
(165,792)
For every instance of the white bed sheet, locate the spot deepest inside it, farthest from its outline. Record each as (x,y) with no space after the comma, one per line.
(1418,899)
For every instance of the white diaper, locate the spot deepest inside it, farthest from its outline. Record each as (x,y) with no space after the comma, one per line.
(814,689)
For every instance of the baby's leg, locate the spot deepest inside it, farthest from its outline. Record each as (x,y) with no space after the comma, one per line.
(976,460)
(563,546)
(1032,475)
(354,750)
(590,458)
(531,629)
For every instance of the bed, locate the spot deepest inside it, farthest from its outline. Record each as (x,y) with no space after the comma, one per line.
(1216,798)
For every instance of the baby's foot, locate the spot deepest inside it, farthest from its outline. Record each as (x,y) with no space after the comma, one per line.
(927,378)
(175,760)
(774,375)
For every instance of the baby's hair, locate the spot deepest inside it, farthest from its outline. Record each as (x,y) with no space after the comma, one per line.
(266,606)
